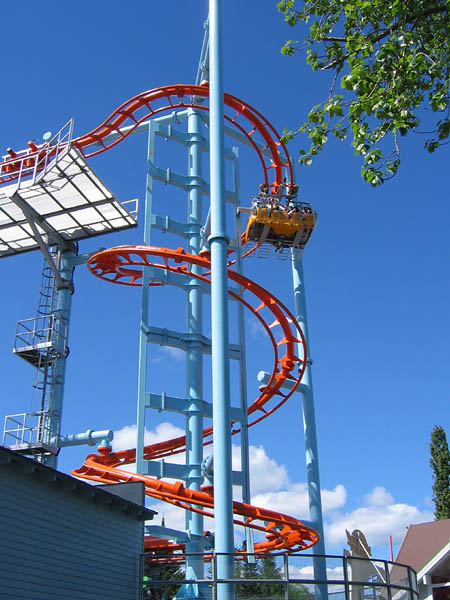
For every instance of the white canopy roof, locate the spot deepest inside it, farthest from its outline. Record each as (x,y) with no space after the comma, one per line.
(69,201)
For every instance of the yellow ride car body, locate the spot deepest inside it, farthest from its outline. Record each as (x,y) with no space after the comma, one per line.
(284,229)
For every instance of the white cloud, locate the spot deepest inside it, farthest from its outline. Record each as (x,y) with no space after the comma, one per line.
(300,572)
(130,468)
(167,355)
(294,500)
(379,496)
(307,572)
(378,520)
(332,499)
(428,502)
(174,517)
(378,516)
(126,437)
(255,328)
(265,473)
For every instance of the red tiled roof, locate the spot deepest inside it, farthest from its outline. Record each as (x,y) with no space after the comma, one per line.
(422,542)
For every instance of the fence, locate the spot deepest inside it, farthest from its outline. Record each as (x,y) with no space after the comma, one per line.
(281,577)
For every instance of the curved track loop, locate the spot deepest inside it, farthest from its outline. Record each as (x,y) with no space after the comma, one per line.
(173,97)
(148,104)
(124,265)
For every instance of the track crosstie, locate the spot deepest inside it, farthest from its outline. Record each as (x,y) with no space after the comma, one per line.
(124,265)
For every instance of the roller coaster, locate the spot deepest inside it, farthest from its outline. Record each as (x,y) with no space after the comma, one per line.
(281,226)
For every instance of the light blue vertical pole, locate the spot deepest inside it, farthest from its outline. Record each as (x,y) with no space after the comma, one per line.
(63,306)
(143,343)
(309,426)
(245,466)
(194,371)
(223,501)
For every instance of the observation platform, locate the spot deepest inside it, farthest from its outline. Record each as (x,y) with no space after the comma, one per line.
(28,433)
(41,340)
(65,201)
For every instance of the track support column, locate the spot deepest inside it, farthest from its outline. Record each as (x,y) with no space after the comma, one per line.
(223,501)
(194,366)
(143,342)
(63,308)
(309,426)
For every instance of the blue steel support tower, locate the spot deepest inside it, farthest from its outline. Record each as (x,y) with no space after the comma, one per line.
(192,341)
(309,428)
(223,490)
(194,374)
(191,406)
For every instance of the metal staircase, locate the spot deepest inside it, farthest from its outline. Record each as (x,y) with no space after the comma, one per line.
(42,342)
(50,198)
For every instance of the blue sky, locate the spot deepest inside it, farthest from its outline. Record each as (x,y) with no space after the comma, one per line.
(376,267)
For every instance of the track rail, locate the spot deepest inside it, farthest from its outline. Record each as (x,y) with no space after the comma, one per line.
(124,265)
(149,104)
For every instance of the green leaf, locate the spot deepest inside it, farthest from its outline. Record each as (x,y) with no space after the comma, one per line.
(288,48)
(391,61)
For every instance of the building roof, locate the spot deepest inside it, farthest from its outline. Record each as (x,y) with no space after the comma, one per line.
(71,485)
(423,542)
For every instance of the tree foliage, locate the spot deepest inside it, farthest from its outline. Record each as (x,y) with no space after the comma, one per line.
(269,570)
(389,64)
(155,574)
(258,572)
(440,463)
(247,570)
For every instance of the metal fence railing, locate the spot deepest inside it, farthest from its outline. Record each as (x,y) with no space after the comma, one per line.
(279,577)
(36,160)
(26,428)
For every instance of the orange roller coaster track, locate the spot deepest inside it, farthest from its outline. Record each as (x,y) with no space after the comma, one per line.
(149,104)
(124,265)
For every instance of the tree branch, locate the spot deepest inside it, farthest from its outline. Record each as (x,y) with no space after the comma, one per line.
(426,13)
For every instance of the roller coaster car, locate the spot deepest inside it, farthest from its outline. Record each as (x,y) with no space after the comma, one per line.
(283,228)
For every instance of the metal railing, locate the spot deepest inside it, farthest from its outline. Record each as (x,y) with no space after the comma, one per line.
(26,428)
(40,333)
(36,161)
(284,577)
(132,206)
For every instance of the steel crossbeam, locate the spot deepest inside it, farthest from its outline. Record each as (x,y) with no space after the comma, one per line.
(184,341)
(163,402)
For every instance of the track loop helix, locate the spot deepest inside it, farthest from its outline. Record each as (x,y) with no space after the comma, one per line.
(124,265)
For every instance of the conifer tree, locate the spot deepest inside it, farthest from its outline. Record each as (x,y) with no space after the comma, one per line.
(263,568)
(269,570)
(250,589)
(440,463)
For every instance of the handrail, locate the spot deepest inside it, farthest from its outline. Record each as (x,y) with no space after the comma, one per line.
(347,585)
